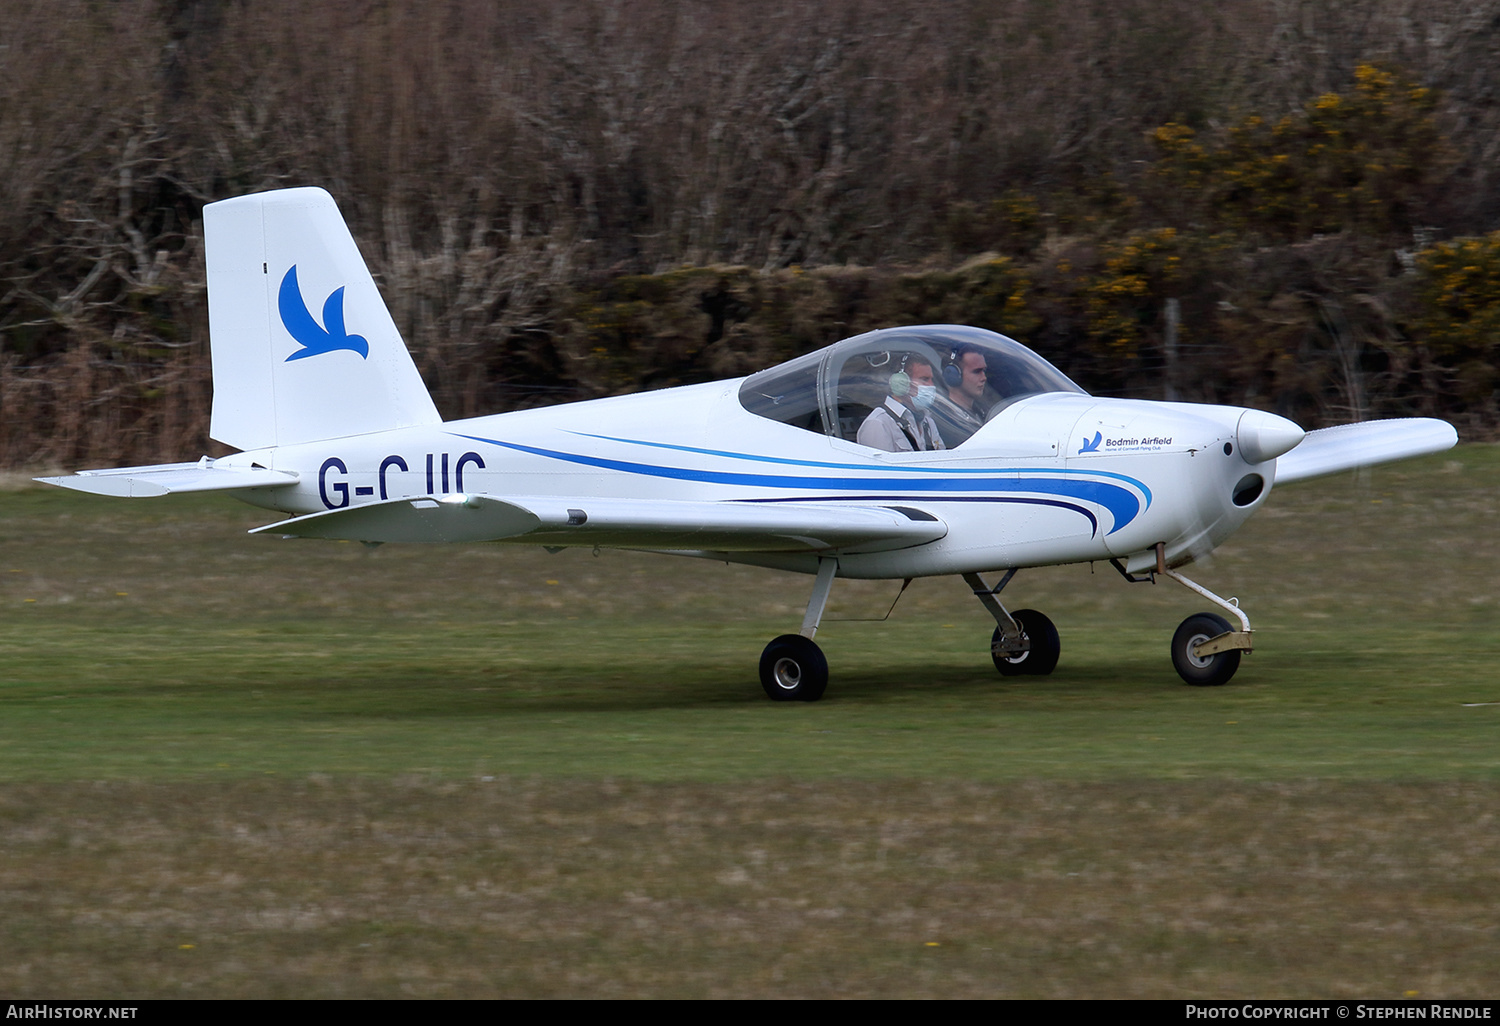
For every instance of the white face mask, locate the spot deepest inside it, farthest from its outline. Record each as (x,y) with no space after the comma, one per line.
(925,397)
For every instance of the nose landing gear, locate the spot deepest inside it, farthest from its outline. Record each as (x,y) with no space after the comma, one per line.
(1206,649)
(1195,662)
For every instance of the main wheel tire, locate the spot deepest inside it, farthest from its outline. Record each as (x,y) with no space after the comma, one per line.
(1203,671)
(793,669)
(1041,658)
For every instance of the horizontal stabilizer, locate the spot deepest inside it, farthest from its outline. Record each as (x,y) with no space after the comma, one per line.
(167,478)
(622,523)
(1350,446)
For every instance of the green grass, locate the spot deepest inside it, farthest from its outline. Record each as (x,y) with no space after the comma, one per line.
(153,640)
(240,766)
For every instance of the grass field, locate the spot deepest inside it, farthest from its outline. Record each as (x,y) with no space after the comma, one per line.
(239,766)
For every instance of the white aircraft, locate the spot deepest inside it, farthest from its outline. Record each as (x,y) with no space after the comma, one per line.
(1001,462)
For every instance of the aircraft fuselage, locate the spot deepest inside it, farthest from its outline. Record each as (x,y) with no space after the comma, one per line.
(1054,478)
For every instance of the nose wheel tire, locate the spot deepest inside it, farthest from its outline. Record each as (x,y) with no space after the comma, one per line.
(1040,659)
(793,669)
(1203,671)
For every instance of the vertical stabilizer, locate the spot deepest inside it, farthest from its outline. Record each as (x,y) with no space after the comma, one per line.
(303,346)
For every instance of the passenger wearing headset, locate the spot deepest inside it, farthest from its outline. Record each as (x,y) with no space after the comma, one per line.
(961,414)
(902,423)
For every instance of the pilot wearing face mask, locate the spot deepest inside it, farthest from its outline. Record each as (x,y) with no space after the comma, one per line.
(902,423)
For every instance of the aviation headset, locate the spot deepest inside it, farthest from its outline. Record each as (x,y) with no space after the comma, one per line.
(953,372)
(900,382)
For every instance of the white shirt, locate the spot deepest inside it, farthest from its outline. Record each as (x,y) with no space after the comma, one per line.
(882,429)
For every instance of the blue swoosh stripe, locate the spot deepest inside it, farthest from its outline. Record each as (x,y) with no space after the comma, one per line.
(785,461)
(1093,520)
(1121,502)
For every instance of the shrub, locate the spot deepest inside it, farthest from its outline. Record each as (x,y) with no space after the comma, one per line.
(1140,273)
(1357,161)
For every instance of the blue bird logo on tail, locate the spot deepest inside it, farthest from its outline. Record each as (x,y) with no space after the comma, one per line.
(315,339)
(1092,445)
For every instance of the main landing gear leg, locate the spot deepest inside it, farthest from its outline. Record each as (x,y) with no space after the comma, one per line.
(1205,649)
(792,668)
(1024,642)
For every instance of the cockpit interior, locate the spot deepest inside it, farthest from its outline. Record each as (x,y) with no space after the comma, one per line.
(977,374)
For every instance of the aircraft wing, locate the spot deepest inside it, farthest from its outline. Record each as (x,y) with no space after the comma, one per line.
(623,523)
(166,478)
(1349,446)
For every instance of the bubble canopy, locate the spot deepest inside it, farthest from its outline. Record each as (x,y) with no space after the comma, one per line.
(978,373)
